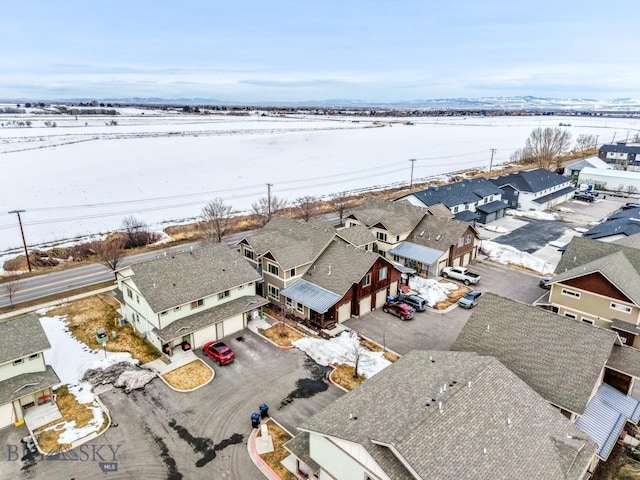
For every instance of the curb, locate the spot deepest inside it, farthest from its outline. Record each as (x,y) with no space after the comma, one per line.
(265,469)
(213,375)
(384,348)
(332,382)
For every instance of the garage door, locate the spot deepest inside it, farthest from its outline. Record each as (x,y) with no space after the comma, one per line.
(344,312)
(381,296)
(6,415)
(233,325)
(365,305)
(204,335)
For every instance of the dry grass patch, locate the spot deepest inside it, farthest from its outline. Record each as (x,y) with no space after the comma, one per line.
(343,375)
(282,334)
(87,315)
(189,376)
(453,297)
(70,410)
(274,459)
(374,347)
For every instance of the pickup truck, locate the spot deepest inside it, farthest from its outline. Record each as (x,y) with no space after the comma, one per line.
(399,309)
(461,274)
(585,197)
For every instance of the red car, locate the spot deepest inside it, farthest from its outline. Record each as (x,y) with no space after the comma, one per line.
(219,352)
(401,310)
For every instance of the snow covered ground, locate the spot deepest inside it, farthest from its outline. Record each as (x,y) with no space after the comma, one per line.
(71,359)
(84,176)
(506,254)
(431,289)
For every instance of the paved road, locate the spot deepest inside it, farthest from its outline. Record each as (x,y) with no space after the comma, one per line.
(203,434)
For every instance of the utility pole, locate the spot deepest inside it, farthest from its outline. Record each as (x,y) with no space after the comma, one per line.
(493,151)
(24,242)
(413,161)
(269,185)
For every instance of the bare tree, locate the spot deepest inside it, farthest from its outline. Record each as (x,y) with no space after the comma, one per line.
(307,206)
(342,203)
(110,252)
(264,211)
(355,352)
(631,189)
(521,155)
(215,220)
(11,285)
(585,142)
(545,145)
(135,231)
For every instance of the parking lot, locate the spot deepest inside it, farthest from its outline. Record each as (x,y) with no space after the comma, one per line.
(203,434)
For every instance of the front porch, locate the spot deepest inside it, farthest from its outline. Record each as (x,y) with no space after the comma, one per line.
(42,414)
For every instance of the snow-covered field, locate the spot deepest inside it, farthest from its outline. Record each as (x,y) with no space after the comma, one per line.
(83,176)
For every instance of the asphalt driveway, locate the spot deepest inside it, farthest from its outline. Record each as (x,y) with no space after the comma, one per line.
(203,434)
(534,235)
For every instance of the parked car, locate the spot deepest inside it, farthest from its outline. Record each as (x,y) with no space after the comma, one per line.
(219,351)
(583,196)
(545,283)
(620,194)
(630,205)
(462,274)
(470,300)
(399,309)
(415,301)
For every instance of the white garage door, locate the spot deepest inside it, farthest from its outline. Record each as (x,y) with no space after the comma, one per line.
(344,312)
(233,325)
(365,305)
(204,335)
(381,297)
(6,415)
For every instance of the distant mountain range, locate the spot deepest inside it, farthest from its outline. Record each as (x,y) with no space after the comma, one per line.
(481,103)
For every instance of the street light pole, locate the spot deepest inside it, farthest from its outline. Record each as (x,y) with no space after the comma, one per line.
(493,151)
(269,185)
(24,242)
(413,161)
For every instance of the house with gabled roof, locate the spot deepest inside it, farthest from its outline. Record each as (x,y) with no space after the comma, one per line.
(573,169)
(566,361)
(437,242)
(599,283)
(443,415)
(390,222)
(26,381)
(470,200)
(189,297)
(283,250)
(616,226)
(343,282)
(357,235)
(537,189)
(621,153)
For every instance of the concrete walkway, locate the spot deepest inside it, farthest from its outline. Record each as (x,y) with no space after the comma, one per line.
(178,359)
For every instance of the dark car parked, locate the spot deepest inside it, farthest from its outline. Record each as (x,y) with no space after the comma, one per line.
(545,283)
(219,352)
(630,205)
(415,301)
(585,197)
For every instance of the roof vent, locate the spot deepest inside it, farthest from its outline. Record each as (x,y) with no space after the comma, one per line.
(440,407)
(485,453)
(438,237)
(421,234)
(329,272)
(509,422)
(469,384)
(431,359)
(154,285)
(488,329)
(352,417)
(174,284)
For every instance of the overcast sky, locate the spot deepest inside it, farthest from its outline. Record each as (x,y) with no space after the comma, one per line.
(294,50)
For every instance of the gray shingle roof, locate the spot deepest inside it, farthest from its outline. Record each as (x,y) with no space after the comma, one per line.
(299,446)
(531,181)
(10,389)
(632,241)
(624,222)
(559,357)
(210,316)
(523,435)
(439,233)
(625,359)
(398,218)
(358,235)
(466,191)
(553,195)
(439,210)
(291,242)
(492,207)
(618,263)
(340,266)
(21,336)
(620,148)
(184,277)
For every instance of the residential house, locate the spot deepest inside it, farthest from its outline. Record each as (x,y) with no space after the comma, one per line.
(435,243)
(599,283)
(566,361)
(619,225)
(471,200)
(538,189)
(573,169)
(26,381)
(442,415)
(611,179)
(194,296)
(343,282)
(390,222)
(357,235)
(621,153)
(283,250)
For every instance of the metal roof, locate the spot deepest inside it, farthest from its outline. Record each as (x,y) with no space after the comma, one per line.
(412,251)
(605,416)
(313,296)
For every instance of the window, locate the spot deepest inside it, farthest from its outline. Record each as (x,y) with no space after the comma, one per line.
(455,209)
(467,240)
(382,274)
(366,280)
(18,362)
(163,313)
(177,308)
(197,303)
(382,236)
(274,292)
(461,242)
(397,238)
(396,258)
(129,293)
(137,298)
(34,356)
(292,272)
(249,254)
(620,308)
(588,320)
(300,307)
(289,302)
(273,269)
(570,315)
(224,294)
(570,293)
(382,253)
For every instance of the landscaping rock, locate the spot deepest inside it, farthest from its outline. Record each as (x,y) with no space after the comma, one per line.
(122,375)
